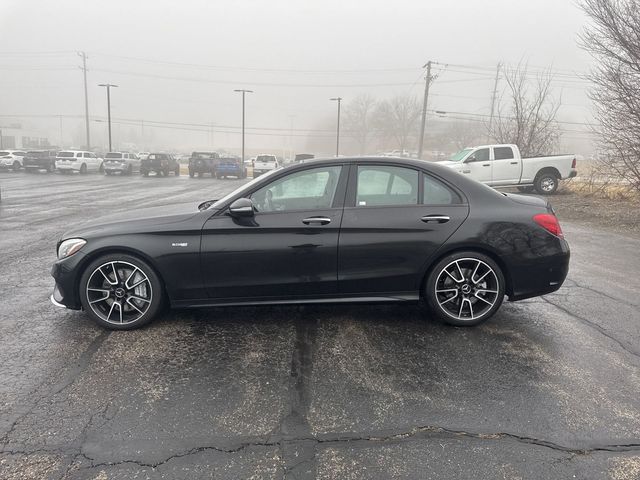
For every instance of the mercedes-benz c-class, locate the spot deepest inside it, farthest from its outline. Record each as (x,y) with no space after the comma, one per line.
(335,230)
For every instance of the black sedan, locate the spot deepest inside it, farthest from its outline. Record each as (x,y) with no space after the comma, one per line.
(337,230)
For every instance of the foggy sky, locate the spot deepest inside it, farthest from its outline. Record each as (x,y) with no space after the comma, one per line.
(294,54)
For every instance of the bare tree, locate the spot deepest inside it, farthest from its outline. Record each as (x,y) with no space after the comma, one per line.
(358,120)
(614,41)
(464,133)
(397,119)
(526,113)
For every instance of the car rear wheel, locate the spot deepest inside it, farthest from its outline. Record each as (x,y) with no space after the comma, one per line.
(177,171)
(83,168)
(546,183)
(120,292)
(465,289)
(192,173)
(16,166)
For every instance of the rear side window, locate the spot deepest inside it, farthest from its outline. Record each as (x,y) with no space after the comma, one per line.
(437,193)
(385,185)
(502,153)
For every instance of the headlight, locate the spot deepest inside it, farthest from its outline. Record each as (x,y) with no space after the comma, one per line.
(69,247)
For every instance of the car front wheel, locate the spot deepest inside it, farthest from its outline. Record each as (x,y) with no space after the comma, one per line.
(465,289)
(120,292)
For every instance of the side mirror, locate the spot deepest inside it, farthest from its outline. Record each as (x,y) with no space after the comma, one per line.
(242,207)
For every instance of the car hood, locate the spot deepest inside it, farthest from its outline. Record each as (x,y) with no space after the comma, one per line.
(449,163)
(145,219)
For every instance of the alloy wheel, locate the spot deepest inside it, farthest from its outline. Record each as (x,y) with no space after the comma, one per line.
(119,292)
(466,289)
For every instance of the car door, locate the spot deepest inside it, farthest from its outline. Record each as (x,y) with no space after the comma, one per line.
(287,248)
(478,165)
(395,218)
(505,169)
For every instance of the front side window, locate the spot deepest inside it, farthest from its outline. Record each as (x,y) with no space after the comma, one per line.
(480,155)
(306,190)
(384,185)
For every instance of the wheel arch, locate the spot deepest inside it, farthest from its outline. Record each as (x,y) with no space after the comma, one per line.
(90,257)
(493,255)
(552,170)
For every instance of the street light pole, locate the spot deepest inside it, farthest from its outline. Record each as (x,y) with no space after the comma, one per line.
(244,92)
(339,100)
(108,86)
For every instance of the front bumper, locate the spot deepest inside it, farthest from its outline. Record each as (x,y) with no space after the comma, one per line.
(65,273)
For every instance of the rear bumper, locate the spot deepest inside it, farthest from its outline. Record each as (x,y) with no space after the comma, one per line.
(67,166)
(539,276)
(573,173)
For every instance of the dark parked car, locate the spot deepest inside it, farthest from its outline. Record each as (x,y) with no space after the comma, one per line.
(203,162)
(230,167)
(338,230)
(36,160)
(303,157)
(161,163)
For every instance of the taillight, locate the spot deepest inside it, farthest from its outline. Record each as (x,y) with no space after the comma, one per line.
(573,164)
(549,222)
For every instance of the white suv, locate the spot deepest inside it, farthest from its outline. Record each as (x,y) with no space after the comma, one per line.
(78,161)
(264,163)
(11,159)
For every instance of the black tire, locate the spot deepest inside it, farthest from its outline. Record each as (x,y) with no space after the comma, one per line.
(129,171)
(192,173)
(546,183)
(50,168)
(108,172)
(165,172)
(177,171)
(83,168)
(16,166)
(472,285)
(527,189)
(101,168)
(145,173)
(153,289)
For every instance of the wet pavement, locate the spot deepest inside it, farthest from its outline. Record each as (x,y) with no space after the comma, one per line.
(548,388)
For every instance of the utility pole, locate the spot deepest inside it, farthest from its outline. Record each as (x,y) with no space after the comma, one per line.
(493,100)
(86,98)
(244,92)
(108,86)
(425,101)
(339,100)
(60,118)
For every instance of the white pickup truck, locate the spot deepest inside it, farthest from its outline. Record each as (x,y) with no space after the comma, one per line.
(502,166)
(264,163)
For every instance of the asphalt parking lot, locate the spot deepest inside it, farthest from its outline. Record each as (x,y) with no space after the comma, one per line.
(548,388)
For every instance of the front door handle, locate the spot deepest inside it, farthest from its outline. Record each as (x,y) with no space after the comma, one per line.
(316,221)
(466,171)
(435,218)
(486,164)
(513,163)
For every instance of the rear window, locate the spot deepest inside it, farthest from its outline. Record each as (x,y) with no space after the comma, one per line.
(4,154)
(386,185)
(66,154)
(157,156)
(37,154)
(113,155)
(265,158)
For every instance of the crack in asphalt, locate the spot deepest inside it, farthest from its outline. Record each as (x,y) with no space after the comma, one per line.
(593,325)
(598,292)
(69,378)
(338,439)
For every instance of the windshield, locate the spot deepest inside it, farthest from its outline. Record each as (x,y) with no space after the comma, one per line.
(462,154)
(238,190)
(113,155)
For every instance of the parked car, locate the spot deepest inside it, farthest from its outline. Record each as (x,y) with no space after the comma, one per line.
(78,161)
(124,162)
(11,159)
(161,163)
(407,230)
(203,162)
(264,163)
(230,167)
(143,155)
(502,166)
(35,160)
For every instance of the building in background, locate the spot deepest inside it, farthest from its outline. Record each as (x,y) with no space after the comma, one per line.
(13,136)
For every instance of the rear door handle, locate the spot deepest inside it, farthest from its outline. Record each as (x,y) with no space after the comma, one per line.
(513,163)
(316,220)
(486,164)
(435,218)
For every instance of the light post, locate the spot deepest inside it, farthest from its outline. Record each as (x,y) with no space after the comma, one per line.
(108,86)
(337,99)
(244,92)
